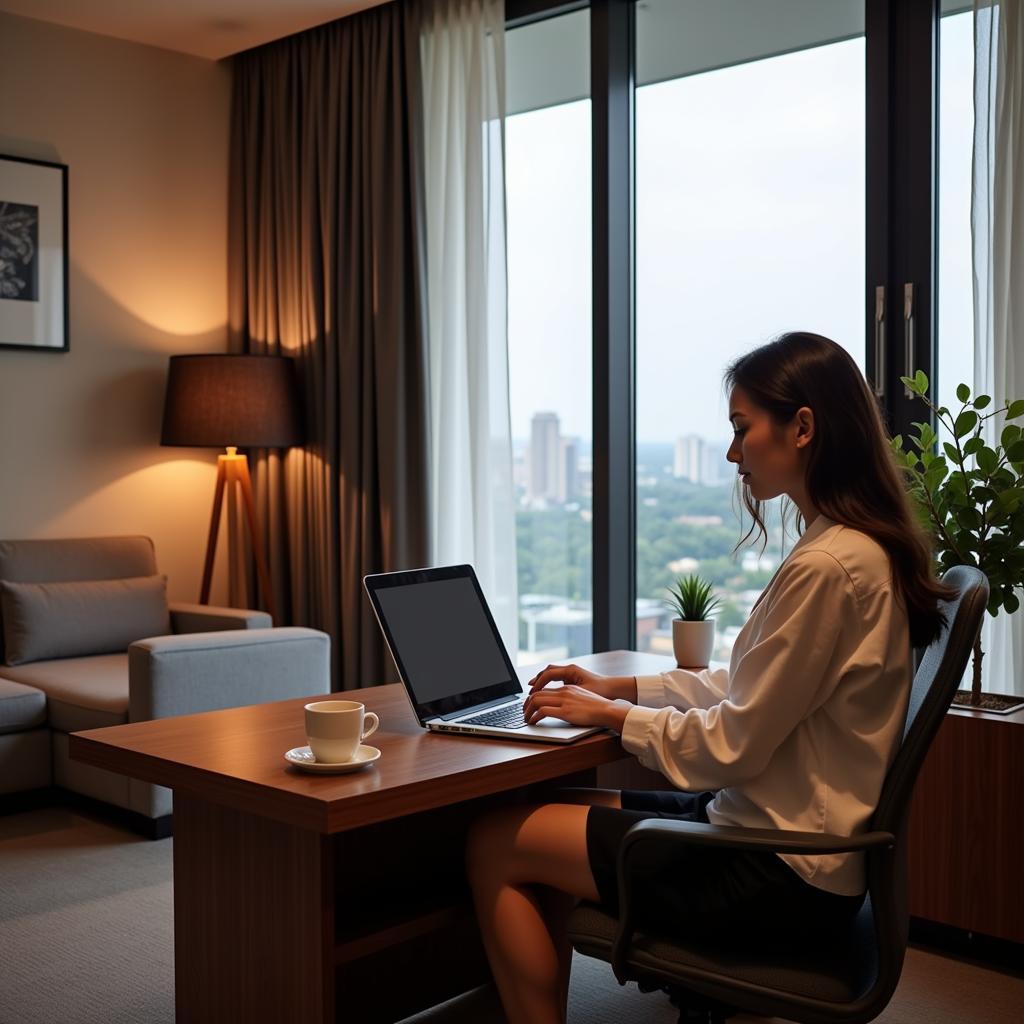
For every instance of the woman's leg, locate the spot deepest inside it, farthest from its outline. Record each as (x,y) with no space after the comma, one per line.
(527,867)
(556,906)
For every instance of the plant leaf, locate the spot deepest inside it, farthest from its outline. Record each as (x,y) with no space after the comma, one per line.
(969,518)
(965,423)
(921,382)
(981,401)
(1016,409)
(963,392)
(987,460)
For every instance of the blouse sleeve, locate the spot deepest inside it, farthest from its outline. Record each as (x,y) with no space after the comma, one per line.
(683,688)
(790,667)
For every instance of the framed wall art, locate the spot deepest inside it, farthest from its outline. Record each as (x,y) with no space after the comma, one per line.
(33,254)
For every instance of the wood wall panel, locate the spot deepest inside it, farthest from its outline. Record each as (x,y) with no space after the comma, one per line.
(967,826)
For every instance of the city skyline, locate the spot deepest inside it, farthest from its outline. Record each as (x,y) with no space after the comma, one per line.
(717,446)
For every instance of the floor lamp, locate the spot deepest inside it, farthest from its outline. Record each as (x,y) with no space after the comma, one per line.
(232,402)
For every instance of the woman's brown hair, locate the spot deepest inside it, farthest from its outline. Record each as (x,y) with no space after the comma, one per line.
(852,476)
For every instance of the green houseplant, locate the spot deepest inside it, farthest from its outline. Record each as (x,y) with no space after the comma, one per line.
(693,629)
(971,499)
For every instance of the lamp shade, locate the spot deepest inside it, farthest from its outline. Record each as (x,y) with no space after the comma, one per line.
(217,401)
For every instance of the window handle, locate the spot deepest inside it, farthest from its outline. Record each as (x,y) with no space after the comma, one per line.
(880,341)
(908,333)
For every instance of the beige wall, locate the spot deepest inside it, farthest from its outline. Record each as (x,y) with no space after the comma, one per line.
(144,133)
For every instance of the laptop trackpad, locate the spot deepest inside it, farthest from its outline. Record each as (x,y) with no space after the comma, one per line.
(554,723)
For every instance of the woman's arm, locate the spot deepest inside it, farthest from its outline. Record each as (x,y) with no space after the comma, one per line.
(790,667)
(684,688)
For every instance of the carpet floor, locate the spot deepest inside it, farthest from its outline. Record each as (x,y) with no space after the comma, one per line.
(86,938)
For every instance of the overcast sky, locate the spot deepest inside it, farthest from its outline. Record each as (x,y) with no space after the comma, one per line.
(750,221)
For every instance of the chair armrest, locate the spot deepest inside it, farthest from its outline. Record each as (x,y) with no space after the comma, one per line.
(182,675)
(204,618)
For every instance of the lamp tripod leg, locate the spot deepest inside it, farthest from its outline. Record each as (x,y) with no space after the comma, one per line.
(244,482)
(211,541)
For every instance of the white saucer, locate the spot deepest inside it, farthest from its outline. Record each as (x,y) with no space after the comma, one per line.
(302,757)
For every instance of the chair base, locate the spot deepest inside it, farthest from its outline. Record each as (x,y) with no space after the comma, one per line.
(695,1009)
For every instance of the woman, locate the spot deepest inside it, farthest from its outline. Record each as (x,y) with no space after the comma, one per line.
(798,732)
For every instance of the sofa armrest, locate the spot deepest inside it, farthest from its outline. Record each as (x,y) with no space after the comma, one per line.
(182,675)
(204,618)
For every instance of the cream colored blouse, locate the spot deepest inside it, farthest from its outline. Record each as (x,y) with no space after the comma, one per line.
(800,730)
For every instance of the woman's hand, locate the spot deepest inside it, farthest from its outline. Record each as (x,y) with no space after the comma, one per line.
(585,698)
(575,705)
(611,687)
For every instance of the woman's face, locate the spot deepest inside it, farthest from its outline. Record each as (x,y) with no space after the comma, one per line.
(770,456)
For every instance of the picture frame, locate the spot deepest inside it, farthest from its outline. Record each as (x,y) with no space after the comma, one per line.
(33,254)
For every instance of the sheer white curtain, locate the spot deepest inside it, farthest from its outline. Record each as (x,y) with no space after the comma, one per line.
(997,225)
(462,50)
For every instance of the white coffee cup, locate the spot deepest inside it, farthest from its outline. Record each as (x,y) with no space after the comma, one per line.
(335,728)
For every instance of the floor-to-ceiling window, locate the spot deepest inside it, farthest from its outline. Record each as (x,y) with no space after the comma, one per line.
(749,222)
(782,177)
(548,196)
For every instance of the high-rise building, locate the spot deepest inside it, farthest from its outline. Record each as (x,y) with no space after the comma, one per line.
(545,449)
(568,471)
(689,458)
(715,469)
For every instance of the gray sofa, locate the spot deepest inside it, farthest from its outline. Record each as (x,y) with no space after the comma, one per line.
(68,597)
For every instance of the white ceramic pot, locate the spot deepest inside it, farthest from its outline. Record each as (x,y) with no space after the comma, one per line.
(693,642)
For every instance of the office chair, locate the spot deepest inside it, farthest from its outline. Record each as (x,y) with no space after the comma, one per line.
(849,978)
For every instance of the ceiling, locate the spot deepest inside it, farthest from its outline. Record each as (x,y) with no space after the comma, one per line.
(205,28)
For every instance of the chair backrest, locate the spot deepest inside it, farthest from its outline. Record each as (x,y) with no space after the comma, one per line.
(935,684)
(73,560)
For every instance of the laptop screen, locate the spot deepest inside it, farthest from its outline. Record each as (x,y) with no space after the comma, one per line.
(443,639)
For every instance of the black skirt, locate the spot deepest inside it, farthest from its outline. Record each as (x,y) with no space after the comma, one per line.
(714,893)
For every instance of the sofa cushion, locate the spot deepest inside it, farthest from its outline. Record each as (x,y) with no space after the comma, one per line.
(81,693)
(66,620)
(21,707)
(74,558)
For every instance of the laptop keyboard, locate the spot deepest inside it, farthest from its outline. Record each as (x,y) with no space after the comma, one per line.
(508,717)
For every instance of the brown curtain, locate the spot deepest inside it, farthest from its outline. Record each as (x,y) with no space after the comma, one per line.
(326,265)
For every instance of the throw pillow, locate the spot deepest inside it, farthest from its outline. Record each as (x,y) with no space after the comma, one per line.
(71,620)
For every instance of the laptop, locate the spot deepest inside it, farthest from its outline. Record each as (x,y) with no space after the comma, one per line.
(451,658)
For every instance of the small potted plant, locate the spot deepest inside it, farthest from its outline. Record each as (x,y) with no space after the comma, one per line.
(693,630)
(971,499)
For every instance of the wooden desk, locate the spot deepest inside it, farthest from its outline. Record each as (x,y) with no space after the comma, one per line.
(330,897)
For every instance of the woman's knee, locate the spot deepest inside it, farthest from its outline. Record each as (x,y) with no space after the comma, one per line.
(543,845)
(490,843)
